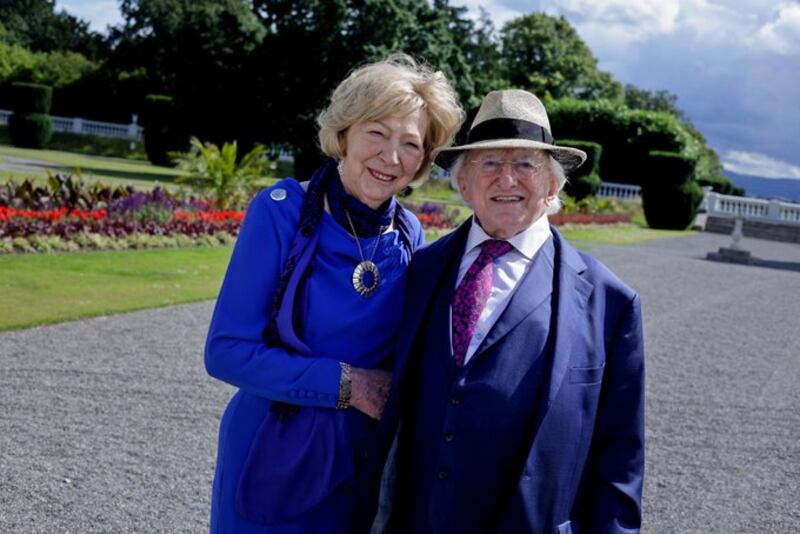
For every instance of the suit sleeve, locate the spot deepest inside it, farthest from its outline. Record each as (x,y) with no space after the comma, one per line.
(615,469)
(235,352)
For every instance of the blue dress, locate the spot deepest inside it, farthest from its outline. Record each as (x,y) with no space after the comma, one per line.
(297,476)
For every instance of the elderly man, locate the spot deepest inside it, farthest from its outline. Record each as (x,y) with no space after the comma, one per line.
(520,380)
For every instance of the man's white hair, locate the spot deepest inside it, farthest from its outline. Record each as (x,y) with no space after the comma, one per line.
(555,168)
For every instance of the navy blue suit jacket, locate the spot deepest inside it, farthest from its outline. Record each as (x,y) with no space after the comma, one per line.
(585,463)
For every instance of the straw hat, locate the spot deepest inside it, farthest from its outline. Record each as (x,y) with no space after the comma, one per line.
(512,119)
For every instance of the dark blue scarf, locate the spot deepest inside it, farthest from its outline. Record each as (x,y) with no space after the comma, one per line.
(287,319)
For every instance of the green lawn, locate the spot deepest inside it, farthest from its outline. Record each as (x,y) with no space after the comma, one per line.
(114,171)
(40,288)
(49,288)
(615,234)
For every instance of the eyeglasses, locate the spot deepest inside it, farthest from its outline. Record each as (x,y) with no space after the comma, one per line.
(520,168)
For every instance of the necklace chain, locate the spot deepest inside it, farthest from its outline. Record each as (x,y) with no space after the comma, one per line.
(366,266)
(358,241)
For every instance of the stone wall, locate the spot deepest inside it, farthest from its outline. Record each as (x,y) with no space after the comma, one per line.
(759,230)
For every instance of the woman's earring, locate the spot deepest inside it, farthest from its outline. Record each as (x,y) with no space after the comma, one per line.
(340,168)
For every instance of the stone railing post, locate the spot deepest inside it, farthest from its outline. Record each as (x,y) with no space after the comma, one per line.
(77,125)
(133,128)
(774,210)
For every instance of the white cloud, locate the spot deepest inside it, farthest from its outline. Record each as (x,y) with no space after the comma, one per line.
(99,13)
(756,164)
(782,34)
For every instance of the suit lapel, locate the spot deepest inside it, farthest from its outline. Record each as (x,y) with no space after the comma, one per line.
(431,267)
(572,294)
(532,291)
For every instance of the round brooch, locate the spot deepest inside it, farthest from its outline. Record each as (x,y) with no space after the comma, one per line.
(277,194)
(366,278)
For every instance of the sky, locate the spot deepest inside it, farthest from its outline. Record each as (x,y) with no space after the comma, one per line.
(734,64)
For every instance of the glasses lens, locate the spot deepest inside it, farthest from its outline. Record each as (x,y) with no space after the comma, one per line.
(521,168)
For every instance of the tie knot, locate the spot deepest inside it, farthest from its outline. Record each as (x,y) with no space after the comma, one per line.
(494,248)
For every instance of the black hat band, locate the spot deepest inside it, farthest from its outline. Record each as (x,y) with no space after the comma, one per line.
(494,129)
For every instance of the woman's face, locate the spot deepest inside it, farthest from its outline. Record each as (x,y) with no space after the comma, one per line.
(383,156)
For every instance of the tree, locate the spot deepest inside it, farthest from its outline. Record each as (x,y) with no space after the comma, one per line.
(545,55)
(311,46)
(36,25)
(198,53)
(479,44)
(662,100)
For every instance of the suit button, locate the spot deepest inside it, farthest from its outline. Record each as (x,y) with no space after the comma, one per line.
(455,401)
(441,475)
(449,437)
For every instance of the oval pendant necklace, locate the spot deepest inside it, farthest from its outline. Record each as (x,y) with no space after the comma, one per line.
(366,276)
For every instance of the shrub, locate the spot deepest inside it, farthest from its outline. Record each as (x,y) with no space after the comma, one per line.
(31,98)
(627,136)
(585,180)
(671,196)
(583,186)
(161,133)
(216,171)
(593,153)
(30,126)
(30,130)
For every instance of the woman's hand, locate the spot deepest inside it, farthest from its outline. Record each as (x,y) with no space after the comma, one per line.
(369,390)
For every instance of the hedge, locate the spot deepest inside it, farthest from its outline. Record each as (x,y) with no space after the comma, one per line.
(30,125)
(161,133)
(30,130)
(585,180)
(31,98)
(670,196)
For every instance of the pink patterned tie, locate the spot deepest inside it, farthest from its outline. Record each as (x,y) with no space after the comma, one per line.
(471,295)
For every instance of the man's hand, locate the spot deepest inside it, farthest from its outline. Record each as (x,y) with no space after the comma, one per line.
(369,390)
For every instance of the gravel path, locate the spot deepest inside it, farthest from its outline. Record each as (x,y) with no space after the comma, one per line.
(109,424)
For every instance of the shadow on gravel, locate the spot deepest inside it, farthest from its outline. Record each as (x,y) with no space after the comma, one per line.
(769,264)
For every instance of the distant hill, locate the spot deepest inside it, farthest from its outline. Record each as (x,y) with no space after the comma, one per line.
(784,189)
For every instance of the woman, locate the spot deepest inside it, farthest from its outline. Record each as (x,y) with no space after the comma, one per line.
(311,303)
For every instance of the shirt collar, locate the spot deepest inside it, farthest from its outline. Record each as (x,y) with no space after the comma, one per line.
(528,242)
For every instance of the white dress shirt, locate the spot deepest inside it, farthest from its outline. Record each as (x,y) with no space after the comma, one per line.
(509,269)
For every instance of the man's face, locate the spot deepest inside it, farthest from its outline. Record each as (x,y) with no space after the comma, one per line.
(508,189)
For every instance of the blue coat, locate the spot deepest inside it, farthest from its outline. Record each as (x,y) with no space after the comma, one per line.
(299,475)
(566,358)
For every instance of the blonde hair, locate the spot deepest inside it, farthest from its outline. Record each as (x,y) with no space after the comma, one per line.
(396,86)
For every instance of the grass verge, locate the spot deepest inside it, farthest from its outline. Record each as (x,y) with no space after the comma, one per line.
(616,234)
(583,235)
(38,289)
(114,171)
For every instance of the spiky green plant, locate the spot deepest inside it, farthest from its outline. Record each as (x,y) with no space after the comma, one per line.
(217,173)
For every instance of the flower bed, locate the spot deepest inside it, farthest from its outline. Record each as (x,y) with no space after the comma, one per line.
(67,215)
(434,215)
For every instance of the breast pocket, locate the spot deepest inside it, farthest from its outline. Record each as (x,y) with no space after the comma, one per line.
(586,375)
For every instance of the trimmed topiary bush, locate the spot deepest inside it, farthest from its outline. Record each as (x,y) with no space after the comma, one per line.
(585,180)
(580,187)
(30,130)
(30,125)
(161,133)
(628,136)
(670,196)
(31,98)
